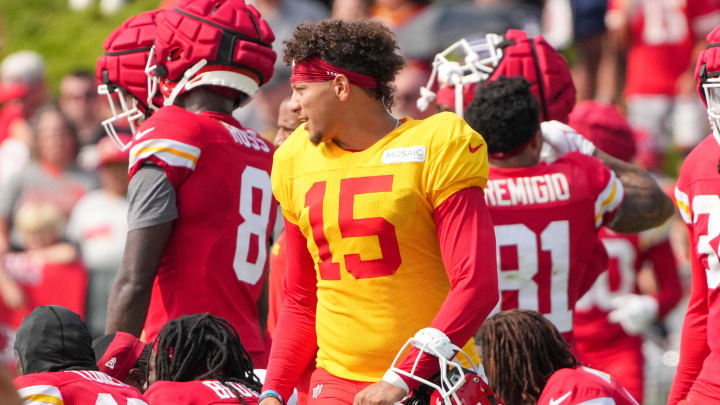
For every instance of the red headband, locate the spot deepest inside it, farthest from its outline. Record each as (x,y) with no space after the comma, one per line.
(317,70)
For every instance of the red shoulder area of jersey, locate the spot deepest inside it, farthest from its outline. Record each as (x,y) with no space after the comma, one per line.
(69,385)
(702,163)
(200,392)
(580,384)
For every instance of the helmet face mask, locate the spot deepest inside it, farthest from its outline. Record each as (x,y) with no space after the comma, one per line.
(478,61)
(711,89)
(430,341)
(127,110)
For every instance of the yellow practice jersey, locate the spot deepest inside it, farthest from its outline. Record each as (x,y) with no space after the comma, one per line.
(367,217)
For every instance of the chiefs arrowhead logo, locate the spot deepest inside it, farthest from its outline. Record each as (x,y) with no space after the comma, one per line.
(111,363)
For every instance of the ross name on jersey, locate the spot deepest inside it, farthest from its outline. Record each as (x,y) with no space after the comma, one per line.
(527,190)
(99,377)
(223,392)
(247,138)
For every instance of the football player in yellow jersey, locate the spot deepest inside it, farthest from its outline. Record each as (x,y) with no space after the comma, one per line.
(386,224)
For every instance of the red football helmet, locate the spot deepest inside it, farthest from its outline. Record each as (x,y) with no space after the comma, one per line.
(514,54)
(707,73)
(220,43)
(120,73)
(454,384)
(605,126)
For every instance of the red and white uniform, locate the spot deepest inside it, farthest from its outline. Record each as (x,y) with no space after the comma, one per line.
(547,218)
(216,256)
(604,345)
(663,33)
(697,195)
(583,386)
(76,388)
(206,392)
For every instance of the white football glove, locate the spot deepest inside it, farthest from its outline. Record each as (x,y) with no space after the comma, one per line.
(634,312)
(561,139)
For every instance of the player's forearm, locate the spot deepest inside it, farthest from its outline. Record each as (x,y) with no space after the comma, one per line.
(467,243)
(645,205)
(665,268)
(130,295)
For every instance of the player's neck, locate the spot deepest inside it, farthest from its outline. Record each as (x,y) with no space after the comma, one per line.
(526,158)
(361,130)
(200,99)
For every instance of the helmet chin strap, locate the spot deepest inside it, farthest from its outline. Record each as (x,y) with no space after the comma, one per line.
(181,84)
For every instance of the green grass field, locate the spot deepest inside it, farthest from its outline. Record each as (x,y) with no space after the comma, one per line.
(67,39)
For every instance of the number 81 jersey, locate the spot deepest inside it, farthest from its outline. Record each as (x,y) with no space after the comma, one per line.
(217,253)
(368,220)
(547,219)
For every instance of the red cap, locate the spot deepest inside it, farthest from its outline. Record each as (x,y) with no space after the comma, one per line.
(11,91)
(109,153)
(604,126)
(121,356)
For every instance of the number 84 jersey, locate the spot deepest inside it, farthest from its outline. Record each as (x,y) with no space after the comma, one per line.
(217,253)
(547,219)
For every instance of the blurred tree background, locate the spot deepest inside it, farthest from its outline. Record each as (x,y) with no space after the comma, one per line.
(67,39)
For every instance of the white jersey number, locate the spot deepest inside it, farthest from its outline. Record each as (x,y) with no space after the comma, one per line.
(555,239)
(255,224)
(708,234)
(664,22)
(600,295)
(107,399)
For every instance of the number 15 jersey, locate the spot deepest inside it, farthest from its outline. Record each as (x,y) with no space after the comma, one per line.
(367,217)
(547,218)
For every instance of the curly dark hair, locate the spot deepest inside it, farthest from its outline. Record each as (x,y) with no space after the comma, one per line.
(201,347)
(505,113)
(521,349)
(363,46)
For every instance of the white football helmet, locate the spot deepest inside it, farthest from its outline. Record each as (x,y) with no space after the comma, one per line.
(478,60)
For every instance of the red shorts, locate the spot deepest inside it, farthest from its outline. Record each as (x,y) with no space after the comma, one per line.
(326,389)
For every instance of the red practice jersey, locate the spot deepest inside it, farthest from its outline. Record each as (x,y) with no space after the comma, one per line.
(582,385)
(276,282)
(76,388)
(627,253)
(546,220)
(217,254)
(44,283)
(697,195)
(206,392)
(663,33)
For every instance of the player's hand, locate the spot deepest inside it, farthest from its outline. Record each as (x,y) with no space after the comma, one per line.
(270,401)
(561,139)
(380,393)
(634,312)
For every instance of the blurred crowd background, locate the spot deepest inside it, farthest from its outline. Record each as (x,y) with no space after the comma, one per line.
(63,184)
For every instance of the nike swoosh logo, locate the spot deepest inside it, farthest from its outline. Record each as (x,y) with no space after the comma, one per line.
(473,150)
(561,399)
(143,133)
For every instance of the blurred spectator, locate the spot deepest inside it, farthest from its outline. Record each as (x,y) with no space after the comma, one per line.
(395,13)
(262,113)
(661,39)
(46,272)
(22,92)
(588,17)
(78,101)
(351,9)
(52,175)
(408,82)
(287,122)
(98,225)
(440,25)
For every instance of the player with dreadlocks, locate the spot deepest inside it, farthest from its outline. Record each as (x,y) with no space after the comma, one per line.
(528,362)
(198,360)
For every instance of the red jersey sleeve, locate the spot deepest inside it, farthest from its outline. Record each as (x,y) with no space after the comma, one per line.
(467,242)
(664,266)
(168,139)
(295,340)
(693,346)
